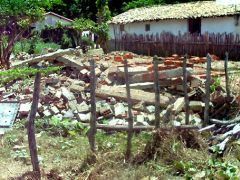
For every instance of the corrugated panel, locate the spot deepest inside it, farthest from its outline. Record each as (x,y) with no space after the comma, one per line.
(8,113)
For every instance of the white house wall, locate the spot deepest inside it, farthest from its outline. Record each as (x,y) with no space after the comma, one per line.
(173,26)
(220,25)
(51,21)
(225,24)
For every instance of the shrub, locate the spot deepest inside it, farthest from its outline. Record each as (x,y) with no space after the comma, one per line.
(36,47)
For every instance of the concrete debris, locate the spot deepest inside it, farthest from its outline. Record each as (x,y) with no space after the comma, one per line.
(47,113)
(83,107)
(114,122)
(68,114)
(119,110)
(196,106)
(178,105)
(67,94)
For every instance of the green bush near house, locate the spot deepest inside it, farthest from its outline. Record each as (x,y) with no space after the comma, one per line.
(25,46)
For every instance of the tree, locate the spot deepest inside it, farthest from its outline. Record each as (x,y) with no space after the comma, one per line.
(80,25)
(103,16)
(17,16)
(143,3)
(76,9)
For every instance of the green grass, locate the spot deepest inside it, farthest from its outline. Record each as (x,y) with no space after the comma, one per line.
(70,157)
(24,46)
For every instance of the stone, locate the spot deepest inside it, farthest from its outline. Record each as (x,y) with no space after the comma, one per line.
(47,113)
(114,122)
(83,107)
(24,109)
(195,119)
(67,94)
(143,123)
(77,88)
(58,94)
(140,118)
(150,109)
(196,106)
(2,89)
(178,105)
(78,82)
(104,66)
(98,71)
(83,117)
(196,82)
(8,95)
(54,109)
(73,105)
(18,147)
(58,116)
(119,109)
(51,81)
(84,72)
(68,114)
(150,118)
(176,123)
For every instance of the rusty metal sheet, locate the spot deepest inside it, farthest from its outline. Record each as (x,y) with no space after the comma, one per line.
(8,113)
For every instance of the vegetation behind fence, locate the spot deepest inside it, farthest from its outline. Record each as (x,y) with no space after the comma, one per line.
(166,44)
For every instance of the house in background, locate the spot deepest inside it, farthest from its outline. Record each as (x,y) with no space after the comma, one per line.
(194,17)
(51,19)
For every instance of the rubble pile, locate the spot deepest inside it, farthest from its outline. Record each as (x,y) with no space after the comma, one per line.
(67,95)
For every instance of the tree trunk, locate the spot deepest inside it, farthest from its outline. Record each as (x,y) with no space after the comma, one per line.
(31,128)
(5,58)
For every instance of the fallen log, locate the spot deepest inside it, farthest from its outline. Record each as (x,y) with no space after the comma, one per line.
(172,73)
(49,56)
(219,122)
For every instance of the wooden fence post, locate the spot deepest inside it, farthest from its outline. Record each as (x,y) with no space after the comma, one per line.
(185,89)
(130,116)
(226,75)
(31,128)
(93,130)
(207,89)
(157,92)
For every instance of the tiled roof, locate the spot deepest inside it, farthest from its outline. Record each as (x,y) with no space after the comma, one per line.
(176,11)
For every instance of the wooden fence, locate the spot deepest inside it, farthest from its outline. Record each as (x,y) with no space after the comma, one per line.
(166,44)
